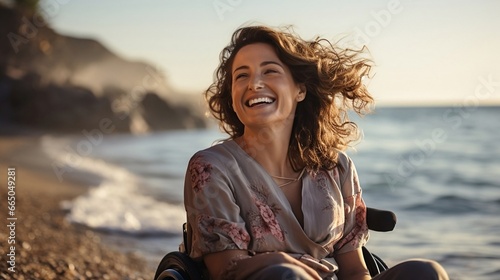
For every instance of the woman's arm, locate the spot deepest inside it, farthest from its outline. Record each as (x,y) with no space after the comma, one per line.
(218,263)
(352,266)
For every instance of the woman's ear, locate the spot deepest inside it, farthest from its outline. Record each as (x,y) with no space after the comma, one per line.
(302,92)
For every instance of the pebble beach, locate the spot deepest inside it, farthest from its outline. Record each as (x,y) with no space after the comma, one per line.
(37,242)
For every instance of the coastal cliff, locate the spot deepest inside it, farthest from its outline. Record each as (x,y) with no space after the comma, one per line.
(58,83)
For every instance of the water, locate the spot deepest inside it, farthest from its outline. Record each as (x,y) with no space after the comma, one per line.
(438,169)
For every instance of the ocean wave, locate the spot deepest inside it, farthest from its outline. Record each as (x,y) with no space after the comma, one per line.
(454,204)
(470,256)
(119,202)
(477,182)
(161,175)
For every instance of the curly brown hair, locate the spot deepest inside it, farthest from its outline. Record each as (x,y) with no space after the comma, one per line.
(333,80)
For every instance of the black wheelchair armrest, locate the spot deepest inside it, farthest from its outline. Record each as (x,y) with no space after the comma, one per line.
(380,220)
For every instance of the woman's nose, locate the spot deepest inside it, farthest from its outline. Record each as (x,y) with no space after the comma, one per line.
(256,83)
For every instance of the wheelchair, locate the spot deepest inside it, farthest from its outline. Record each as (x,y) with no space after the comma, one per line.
(178,265)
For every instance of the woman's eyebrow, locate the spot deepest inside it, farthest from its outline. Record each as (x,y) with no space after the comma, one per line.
(241,68)
(264,63)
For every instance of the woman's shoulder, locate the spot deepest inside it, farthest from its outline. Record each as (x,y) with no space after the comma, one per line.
(345,167)
(344,162)
(221,152)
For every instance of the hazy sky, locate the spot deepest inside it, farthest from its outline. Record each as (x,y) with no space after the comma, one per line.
(425,51)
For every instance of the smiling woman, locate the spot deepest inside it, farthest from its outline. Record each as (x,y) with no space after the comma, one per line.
(263,89)
(323,74)
(280,198)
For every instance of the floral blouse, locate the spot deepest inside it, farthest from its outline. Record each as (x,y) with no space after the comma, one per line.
(233,203)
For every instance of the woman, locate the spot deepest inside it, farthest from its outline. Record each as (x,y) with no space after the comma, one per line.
(280,199)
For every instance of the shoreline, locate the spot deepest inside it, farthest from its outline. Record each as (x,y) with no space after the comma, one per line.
(46,245)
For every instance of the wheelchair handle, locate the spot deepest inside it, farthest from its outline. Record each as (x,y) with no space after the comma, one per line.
(380,220)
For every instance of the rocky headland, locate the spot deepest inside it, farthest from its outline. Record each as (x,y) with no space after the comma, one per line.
(58,83)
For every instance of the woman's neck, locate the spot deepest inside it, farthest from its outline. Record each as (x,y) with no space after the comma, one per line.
(269,147)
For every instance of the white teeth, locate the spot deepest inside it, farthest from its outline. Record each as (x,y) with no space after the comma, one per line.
(251,102)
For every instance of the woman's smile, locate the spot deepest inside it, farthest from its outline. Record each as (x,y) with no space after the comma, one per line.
(259,101)
(263,89)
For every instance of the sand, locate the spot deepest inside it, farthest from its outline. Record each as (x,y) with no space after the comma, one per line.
(46,245)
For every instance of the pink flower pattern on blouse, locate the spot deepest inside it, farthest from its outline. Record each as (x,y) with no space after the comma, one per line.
(211,226)
(200,173)
(358,233)
(322,183)
(264,220)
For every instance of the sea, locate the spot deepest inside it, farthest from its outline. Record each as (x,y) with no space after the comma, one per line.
(436,168)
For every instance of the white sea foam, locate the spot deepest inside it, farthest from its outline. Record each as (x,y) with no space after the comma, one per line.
(117,203)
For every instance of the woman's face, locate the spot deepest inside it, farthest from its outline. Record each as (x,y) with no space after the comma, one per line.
(263,90)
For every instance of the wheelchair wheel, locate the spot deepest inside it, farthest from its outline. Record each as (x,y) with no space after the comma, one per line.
(178,266)
(170,274)
(373,262)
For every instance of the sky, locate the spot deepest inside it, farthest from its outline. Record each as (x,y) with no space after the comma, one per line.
(425,51)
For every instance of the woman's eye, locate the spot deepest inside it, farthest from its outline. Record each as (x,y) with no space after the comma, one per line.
(271,71)
(240,76)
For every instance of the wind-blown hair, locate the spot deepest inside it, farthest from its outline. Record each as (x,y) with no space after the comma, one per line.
(333,80)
